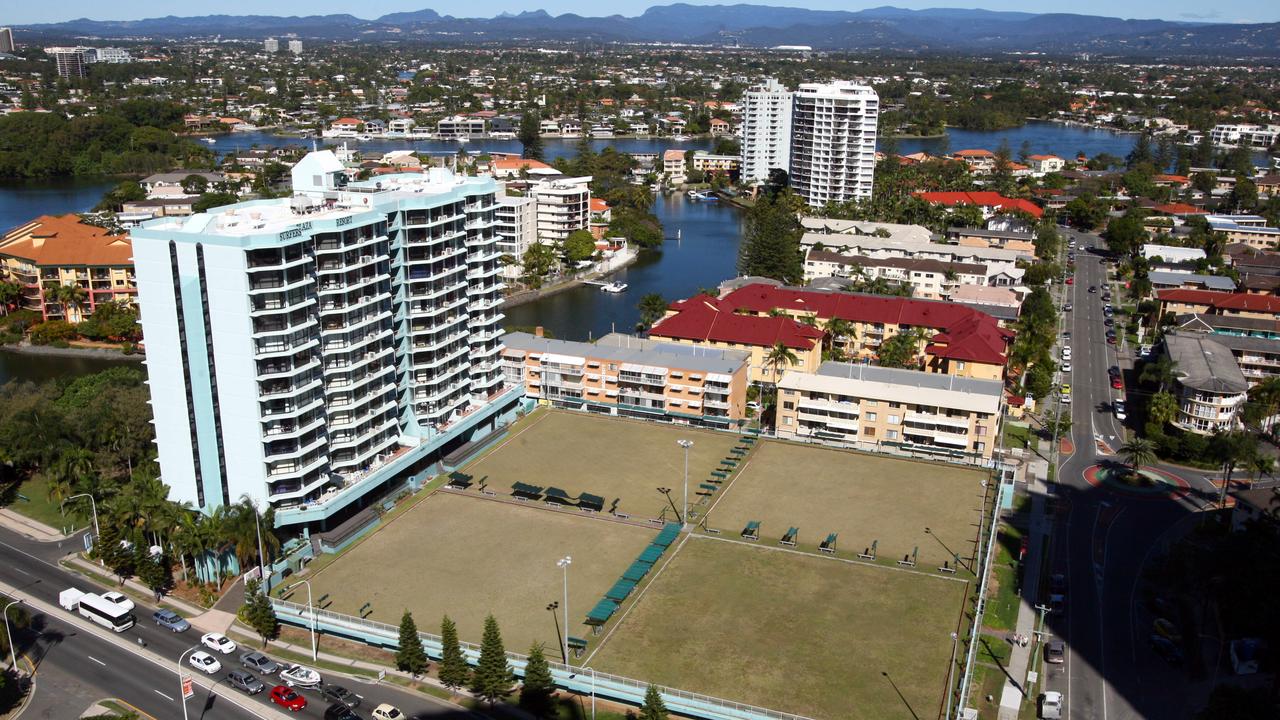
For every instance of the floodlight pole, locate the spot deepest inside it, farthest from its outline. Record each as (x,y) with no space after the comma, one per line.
(684,515)
(563,563)
(311,609)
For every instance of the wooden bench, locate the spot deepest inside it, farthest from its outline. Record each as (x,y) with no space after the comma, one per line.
(752,530)
(829,545)
(790,537)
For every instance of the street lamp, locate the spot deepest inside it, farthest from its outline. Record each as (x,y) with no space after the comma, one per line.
(92,504)
(310,609)
(684,516)
(262,571)
(182,696)
(950,670)
(563,563)
(8,632)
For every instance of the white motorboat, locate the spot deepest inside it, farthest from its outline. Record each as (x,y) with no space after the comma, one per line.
(300,676)
(616,286)
(209,140)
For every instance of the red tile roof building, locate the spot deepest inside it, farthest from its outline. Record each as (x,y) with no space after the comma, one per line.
(958,339)
(54,250)
(1211,302)
(990,202)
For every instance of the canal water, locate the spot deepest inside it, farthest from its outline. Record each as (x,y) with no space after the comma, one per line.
(700,251)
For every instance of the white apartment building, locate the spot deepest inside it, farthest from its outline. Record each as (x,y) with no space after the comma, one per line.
(1210,386)
(6,40)
(1260,137)
(459,126)
(295,47)
(315,352)
(833,141)
(929,279)
(517,229)
(887,409)
(271,45)
(673,167)
(564,205)
(905,246)
(766,131)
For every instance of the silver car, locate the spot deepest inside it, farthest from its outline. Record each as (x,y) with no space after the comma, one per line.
(245,681)
(260,663)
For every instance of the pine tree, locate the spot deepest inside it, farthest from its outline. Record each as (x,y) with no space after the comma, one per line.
(535,693)
(771,240)
(454,672)
(530,135)
(653,707)
(493,678)
(259,613)
(410,657)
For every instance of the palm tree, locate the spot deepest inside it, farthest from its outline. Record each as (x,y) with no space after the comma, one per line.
(71,297)
(779,357)
(1138,452)
(1163,408)
(1264,403)
(70,470)
(189,538)
(840,333)
(10,293)
(1160,371)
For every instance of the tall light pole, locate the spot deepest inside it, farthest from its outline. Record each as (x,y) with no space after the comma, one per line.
(312,611)
(951,692)
(563,563)
(8,632)
(92,504)
(684,516)
(182,697)
(593,692)
(262,571)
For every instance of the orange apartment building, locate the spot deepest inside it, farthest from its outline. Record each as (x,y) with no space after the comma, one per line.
(632,377)
(51,251)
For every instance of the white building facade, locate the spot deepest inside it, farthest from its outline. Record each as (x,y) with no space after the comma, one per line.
(833,141)
(517,228)
(310,351)
(564,205)
(766,131)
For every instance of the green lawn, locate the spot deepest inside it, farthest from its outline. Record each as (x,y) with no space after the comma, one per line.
(34,502)
(1017,436)
(793,632)
(1003,600)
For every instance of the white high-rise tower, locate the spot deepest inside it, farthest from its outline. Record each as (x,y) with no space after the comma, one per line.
(766,130)
(833,141)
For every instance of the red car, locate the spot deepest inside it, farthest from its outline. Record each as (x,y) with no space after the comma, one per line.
(1116,382)
(286,697)
(1071,281)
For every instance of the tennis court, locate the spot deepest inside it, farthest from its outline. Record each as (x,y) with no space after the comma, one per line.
(622,461)
(863,498)
(468,557)
(790,631)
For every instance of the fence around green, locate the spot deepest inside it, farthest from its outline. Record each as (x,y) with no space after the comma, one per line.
(577,679)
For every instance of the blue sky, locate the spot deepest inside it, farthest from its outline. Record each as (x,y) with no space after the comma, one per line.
(22,13)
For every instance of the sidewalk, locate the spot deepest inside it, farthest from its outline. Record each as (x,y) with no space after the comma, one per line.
(206,620)
(1013,695)
(27,527)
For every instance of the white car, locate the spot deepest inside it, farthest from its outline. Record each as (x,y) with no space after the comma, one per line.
(204,662)
(1051,705)
(386,711)
(118,599)
(1066,366)
(220,643)
(1066,352)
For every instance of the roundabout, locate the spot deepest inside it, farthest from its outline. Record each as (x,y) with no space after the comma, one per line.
(1147,482)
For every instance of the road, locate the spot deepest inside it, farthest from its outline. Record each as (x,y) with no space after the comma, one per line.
(1102,538)
(77,664)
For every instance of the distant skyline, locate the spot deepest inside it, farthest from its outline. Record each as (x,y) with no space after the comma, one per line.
(1225,11)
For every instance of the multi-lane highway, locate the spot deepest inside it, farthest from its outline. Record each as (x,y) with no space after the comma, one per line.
(1103,538)
(78,663)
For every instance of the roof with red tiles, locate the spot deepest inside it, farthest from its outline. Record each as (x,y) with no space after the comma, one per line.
(981,199)
(62,240)
(1222,300)
(704,318)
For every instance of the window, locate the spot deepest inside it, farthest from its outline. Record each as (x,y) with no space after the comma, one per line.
(869,431)
(895,419)
(891,435)
(788,405)
(980,446)
(871,417)
(786,420)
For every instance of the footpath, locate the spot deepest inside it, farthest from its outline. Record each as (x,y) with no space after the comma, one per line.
(26,527)
(1021,684)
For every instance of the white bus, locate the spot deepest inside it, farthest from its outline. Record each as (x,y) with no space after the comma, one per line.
(105,613)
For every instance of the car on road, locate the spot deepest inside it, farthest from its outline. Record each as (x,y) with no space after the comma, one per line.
(1167,629)
(1066,352)
(1066,335)
(204,662)
(1057,603)
(1118,406)
(245,681)
(1108,322)
(338,711)
(118,599)
(1058,584)
(387,711)
(1117,382)
(1113,371)
(1067,307)
(288,698)
(1055,652)
(1106,296)
(259,662)
(339,694)
(1051,705)
(1066,366)
(1071,281)
(1111,339)
(218,642)
(1093,288)
(1066,388)
(170,620)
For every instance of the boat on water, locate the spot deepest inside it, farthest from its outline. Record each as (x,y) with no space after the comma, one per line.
(464,140)
(208,140)
(704,195)
(680,138)
(616,286)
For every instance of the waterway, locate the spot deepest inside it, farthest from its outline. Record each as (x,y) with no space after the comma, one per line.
(700,251)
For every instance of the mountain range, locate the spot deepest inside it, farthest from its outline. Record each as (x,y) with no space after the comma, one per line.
(881,28)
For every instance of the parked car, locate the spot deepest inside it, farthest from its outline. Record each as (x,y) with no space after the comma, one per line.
(204,662)
(261,663)
(338,711)
(1165,648)
(1067,307)
(1167,629)
(1118,406)
(1066,366)
(1051,705)
(1117,383)
(118,599)
(387,711)
(1057,604)
(339,694)
(1055,652)
(1113,371)
(288,698)
(1111,339)
(1071,281)
(245,681)
(218,642)
(170,620)
(1058,584)
(1144,351)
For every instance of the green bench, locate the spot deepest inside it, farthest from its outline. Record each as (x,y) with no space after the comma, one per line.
(636,572)
(706,488)
(752,530)
(601,613)
(722,474)
(620,590)
(790,537)
(738,451)
(651,554)
(829,545)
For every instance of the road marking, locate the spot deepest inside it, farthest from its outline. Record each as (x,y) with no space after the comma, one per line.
(96,660)
(24,572)
(163,695)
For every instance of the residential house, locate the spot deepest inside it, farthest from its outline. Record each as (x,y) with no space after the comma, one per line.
(1208,382)
(673,167)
